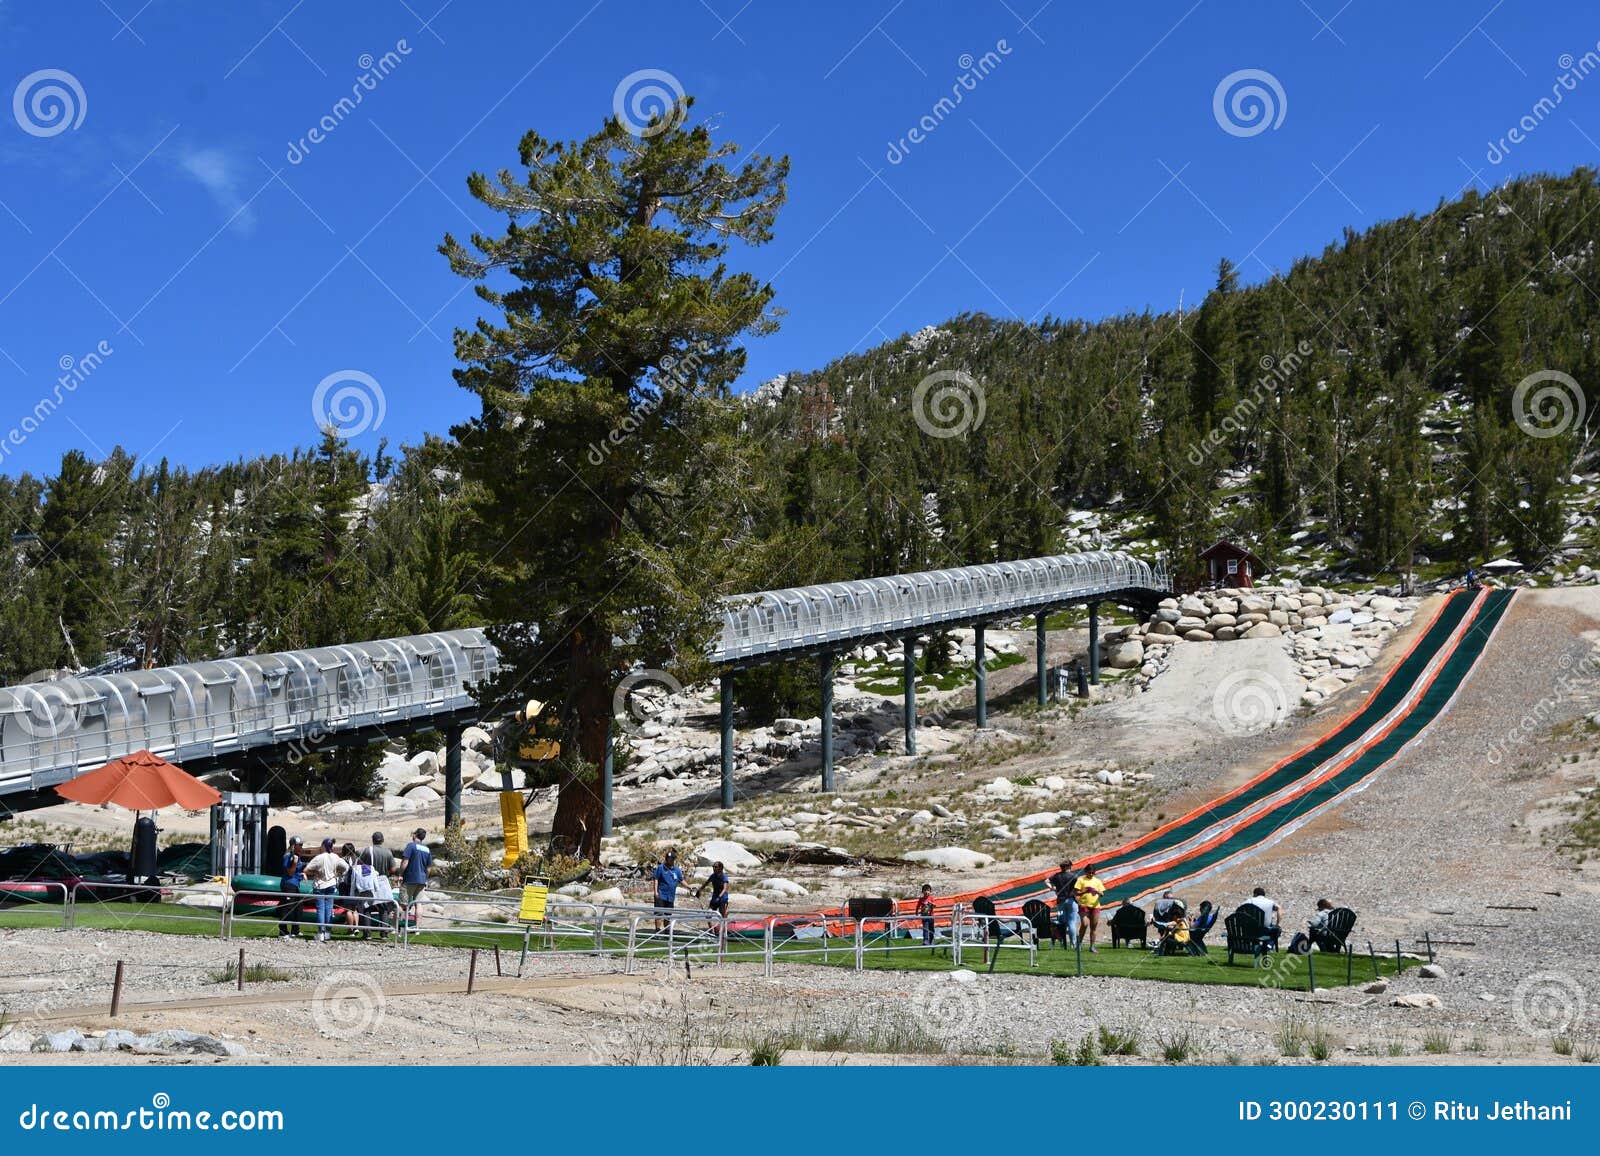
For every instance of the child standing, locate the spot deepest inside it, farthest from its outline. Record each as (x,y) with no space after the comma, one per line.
(925,909)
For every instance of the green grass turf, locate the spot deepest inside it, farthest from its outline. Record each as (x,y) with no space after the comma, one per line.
(1283,971)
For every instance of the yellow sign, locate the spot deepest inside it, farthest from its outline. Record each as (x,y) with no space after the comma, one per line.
(534,898)
(515,822)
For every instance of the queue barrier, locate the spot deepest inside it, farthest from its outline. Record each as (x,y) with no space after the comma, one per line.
(47,888)
(150,902)
(969,926)
(636,933)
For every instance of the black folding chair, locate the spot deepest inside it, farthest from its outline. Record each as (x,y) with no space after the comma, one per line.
(994,926)
(1248,934)
(1127,925)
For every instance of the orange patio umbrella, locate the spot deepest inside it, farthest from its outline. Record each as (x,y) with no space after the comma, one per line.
(140,782)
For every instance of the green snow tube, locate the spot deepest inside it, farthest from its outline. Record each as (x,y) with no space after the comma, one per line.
(270,884)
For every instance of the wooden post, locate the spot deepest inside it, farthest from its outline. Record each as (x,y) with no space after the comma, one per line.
(497,970)
(1428,941)
(239,977)
(116,989)
(1397,964)
(472,971)
(1311,973)
(1376,974)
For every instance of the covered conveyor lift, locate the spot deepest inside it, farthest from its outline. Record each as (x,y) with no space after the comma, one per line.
(240,712)
(822,621)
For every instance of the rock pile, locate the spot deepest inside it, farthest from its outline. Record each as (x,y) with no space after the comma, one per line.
(167,1042)
(1330,634)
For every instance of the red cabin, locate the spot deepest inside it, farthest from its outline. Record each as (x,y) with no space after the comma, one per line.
(1230,565)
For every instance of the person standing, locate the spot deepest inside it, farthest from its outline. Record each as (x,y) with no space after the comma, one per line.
(1088,891)
(925,910)
(382,862)
(353,901)
(291,875)
(718,882)
(415,860)
(668,877)
(379,856)
(326,871)
(1065,882)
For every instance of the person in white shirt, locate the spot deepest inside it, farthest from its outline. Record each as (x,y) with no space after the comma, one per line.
(373,882)
(326,872)
(1270,914)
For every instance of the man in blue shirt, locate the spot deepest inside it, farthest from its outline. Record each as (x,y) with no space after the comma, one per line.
(414,863)
(291,875)
(668,878)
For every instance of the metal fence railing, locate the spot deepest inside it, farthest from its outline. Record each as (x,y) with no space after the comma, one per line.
(635,934)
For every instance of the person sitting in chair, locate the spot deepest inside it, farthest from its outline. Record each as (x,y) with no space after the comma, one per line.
(1165,908)
(1170,918)
(1271,914)
(1316,932)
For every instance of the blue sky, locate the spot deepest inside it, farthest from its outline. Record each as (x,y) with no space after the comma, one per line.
(1085,172)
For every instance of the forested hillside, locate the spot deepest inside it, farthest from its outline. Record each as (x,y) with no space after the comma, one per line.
(1357,412)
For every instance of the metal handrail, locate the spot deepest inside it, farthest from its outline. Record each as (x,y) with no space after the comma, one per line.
(48,884)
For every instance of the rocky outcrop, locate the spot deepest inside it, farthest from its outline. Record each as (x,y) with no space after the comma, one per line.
(1332,635)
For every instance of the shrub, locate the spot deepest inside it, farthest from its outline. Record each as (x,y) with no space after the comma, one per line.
(1122,1041)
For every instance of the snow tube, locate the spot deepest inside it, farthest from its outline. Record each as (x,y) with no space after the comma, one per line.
(14,893)
(270,884)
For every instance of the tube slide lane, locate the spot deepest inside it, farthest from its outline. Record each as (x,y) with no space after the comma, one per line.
(1391,694)
(1259,832)
(1416,691)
